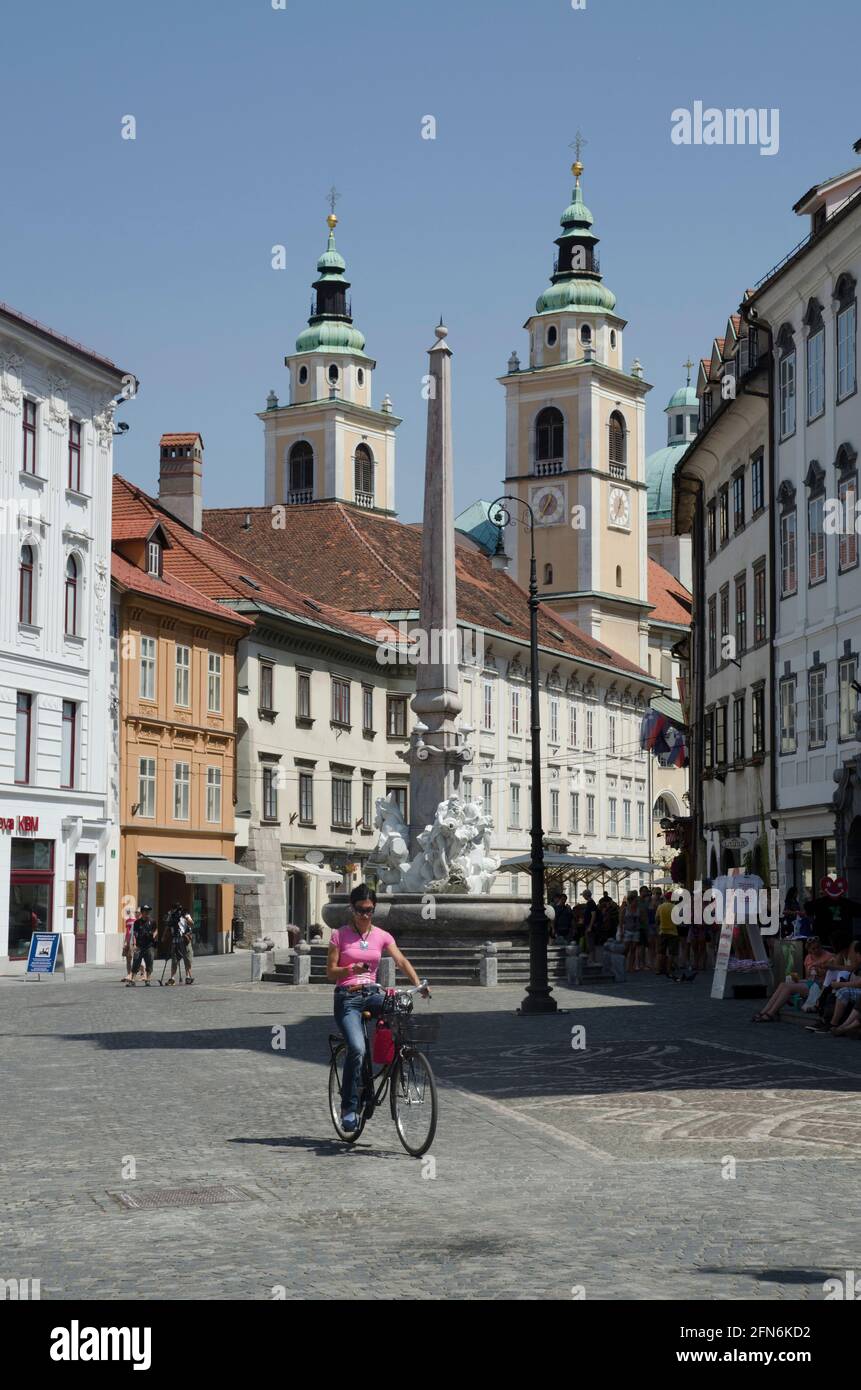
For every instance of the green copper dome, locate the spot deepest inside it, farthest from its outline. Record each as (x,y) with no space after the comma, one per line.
(330,327)
(589,295)
(330,337)
(576,280)
(684,398)
(660,468)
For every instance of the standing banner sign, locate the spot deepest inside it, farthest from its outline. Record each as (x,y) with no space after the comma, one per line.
(722,961)
(46,952)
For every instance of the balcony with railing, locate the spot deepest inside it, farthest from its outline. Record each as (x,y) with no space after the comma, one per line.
(618,470)
(298,496)
(365,499)
(548,467)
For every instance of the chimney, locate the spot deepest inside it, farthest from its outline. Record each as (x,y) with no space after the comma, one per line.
(180,478)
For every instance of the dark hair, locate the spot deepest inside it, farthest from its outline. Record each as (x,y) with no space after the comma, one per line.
(363,894)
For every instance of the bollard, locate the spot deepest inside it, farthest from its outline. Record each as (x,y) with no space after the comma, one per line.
(262,958)
(574,961)
(302,964)
(488,969)
(386,973)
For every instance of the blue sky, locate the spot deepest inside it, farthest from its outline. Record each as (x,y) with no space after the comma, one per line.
(157,251)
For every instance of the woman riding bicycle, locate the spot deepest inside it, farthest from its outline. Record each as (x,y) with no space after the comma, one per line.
(354,957)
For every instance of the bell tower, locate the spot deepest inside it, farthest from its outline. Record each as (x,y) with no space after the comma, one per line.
(329,442)
(575,447)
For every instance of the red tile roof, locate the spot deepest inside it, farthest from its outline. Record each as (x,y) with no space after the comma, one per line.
(180,438)
(203,565)
(170,590)
(672,602)
(367,562)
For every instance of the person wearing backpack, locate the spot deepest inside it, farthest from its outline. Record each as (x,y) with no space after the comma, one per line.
(144,933)
(180,924)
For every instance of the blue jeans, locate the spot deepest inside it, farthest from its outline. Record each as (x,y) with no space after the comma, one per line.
(349,1006)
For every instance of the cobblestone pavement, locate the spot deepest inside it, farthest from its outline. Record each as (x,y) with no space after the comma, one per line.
(555,1168)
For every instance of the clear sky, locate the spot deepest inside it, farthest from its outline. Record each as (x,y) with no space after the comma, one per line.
(157,251)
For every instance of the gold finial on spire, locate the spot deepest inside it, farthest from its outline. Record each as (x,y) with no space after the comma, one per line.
(689,366)
(577,145)
(332,198)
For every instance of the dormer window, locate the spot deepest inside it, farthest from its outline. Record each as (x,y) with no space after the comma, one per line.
(153,558)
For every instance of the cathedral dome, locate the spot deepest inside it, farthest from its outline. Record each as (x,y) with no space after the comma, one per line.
(660,468)
(588,295)
(685,397)
(330,337)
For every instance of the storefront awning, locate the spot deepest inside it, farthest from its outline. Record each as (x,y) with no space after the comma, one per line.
(196,868)
(301,866)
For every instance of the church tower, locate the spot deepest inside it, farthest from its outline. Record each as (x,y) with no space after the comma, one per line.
(575,448)
(329,442)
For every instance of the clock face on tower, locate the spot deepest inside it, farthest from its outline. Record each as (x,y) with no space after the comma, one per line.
(548,504)
(620,508)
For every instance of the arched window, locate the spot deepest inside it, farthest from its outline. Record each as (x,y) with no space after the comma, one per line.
(303,375)
(552,336)
(585,334)
(301,471)
(334,374)
(548,574)
(71,597)
(360,376)
(662,810)
(25,585)
(549,436)
(363,476)
(618,576)
(618,440)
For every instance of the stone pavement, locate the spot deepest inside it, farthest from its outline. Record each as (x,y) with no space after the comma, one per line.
(554,1168)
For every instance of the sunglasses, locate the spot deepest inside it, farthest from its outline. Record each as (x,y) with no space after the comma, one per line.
(364,911)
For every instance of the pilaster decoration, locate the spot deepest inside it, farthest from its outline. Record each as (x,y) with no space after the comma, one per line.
(846,458)
(11,368)
(49,702)
(813,317)
(814,479)
(58,403)
(104,423)
(100,590)
(786,339)
(845,290)
(786,495)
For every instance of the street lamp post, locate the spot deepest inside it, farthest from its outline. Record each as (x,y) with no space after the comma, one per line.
(539,998)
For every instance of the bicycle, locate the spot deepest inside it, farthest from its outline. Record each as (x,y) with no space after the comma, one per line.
(406,1075)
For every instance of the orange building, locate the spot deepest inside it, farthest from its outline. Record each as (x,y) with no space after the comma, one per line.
(176,654)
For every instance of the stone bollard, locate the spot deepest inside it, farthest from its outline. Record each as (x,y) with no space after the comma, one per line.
(488,969)
(613,960)
(262,958)
(574,961)
(386,973)
(302,964)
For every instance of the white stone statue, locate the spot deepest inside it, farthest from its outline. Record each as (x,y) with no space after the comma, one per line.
(454,854)
(393,846)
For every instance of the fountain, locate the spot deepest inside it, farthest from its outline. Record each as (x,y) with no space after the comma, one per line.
(437,873)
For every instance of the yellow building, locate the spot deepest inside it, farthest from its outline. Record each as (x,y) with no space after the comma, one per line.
(575,449)
(176,651)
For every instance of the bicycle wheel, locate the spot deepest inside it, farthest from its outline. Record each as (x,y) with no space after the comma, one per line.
(414,1102)
(336,1078)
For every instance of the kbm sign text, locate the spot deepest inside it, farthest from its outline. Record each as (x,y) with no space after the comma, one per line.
(21,825)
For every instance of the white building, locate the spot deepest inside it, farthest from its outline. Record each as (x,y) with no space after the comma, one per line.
(809,306)
(722,499)
(56,436)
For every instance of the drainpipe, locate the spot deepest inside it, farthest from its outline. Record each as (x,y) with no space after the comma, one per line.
(750,314)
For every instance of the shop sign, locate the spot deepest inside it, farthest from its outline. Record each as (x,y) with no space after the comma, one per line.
(46,951)
(19,825)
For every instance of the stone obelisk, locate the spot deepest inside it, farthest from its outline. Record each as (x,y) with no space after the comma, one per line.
(437,755)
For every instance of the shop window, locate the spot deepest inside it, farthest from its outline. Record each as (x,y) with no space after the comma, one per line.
(31,893)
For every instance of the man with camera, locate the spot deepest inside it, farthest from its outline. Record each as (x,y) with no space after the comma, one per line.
(181,924)
(144,934)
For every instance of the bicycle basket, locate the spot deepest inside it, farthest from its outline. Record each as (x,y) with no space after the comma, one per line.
(417,1028)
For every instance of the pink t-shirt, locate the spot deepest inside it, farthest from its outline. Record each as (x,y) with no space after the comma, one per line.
(353,949)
